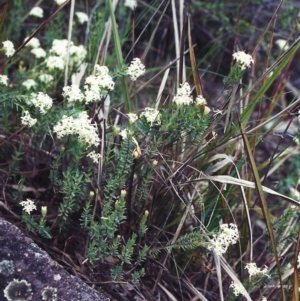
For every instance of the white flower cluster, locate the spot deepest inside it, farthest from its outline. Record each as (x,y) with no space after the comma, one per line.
(28,120)
(80,127)
(33,43)
(151,115)
(3,80)
(59,2)
(132,4)
(82,17)
(36,50)
(60,49)
(73,93)
(45,78)
(243,59)
(29,83)
(228,235)
(41,101)
(237,288)
(36,12)
(200,100)
(132,118)
(8,48)
(55,62)
(28,205)
(183,96)
(94,156)
(253,270)
(135,69)
(95,84)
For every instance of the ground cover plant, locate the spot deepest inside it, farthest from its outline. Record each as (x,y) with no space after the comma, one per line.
(152,147)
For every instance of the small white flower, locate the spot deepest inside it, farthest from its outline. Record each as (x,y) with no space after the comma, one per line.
(28,205)
(29,83)
(45,78)
(124,133)
(94,156)
(59,2)
(34,42)
(77,54)
(253,270)
(135,69)
(28,120)
(36,12)
(38,52)
(3,80)
(132,4)
(183,96)
(151,115)
(282,44)
(8,48)
(298,260)
(243,59)
(200,100)
(264,299)
(55,62)
(237,288)
(73,93)
(82,17)
(41,101)
(132,117)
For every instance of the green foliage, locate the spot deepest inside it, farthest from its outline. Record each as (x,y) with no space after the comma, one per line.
(73,186)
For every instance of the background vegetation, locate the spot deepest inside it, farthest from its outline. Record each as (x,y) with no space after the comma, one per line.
(144,219)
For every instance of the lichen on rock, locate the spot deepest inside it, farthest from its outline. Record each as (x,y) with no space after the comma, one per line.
(18,291)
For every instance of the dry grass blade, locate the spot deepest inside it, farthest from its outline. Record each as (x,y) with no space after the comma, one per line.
(264,206)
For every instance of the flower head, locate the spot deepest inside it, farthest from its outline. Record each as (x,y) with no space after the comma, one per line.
(81,127)
(45,78)
(8,48)
(151,115)
(28,205)
(243,59)
(282,44)
(28,120)
(183,96)
(41,101)
(135,69)
(34,42)
(36,12)
(73,93)
(59,2)
(95,84)
(228,235)
(237,288)
(3,80)
(94,156)
(132,4)
(253,270)
(38,52)
(29,83)
(132,117)
(82,17)
(200,100)
(55,62)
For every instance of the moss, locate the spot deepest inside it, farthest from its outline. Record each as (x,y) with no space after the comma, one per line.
(49,294)
(18,291)
(7,267)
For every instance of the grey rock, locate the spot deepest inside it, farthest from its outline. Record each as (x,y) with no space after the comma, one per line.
(21,259)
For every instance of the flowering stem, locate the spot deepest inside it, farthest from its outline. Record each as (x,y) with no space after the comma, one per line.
(119,55)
